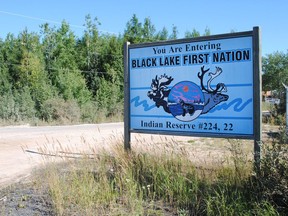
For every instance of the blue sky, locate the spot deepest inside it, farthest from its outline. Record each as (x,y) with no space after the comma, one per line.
(220,16)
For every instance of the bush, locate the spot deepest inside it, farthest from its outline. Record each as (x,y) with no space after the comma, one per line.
(89,112)
(275,116)
(25,106)
(109,99)
(7,105)
(17,106)
(57,109)
(71,85)
(272,179)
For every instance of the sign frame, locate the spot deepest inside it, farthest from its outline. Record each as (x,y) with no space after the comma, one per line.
(257,117)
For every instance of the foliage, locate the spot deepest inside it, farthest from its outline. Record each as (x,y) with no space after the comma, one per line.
(41,75)
(91,113)
(108,97)
(59,110)
(56,63)
(167,183)
(272,179)
(56,66)
(5,84)
(275,71)
(88,48)
(71,85)
(7,106)
(24,105)
(196,33)
(136,32)
(275,74)
(17,106)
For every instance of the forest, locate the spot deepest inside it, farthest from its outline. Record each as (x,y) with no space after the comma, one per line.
(55,76)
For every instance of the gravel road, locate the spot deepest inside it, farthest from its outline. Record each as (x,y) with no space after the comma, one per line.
(20,145)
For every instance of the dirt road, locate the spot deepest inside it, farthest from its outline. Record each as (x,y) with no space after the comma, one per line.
(20,146)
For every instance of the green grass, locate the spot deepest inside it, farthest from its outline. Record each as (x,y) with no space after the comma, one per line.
(163,183)
(267,106)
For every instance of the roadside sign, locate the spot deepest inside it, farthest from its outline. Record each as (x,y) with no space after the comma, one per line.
(206,86)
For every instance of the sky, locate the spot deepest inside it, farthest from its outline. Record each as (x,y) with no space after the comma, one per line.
(220,16)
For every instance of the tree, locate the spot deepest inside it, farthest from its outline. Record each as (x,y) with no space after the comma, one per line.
(148,30)
(108,88)
(31,69)
(11,51)
(57,70)
(162,35)
(195,33)
(111,59)
(88,50)
(5,83)
(60,49)
(60,45)
(192,34)
(49,47)
(71,85)
(207,32)
(275,71)
(174,34)
(133,32)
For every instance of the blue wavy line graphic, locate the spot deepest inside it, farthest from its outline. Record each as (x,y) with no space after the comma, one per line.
(237,103)
(238,106)
(144,103)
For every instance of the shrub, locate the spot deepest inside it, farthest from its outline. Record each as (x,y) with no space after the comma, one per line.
(57,109)
(273,176)
(25,106)
(7,105)
(89,112)
(17,106)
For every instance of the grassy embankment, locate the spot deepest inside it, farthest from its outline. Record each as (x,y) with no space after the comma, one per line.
(163,178)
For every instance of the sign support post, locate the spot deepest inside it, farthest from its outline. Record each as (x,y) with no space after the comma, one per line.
(286,88)
(257,97)
(127,135)
(286,91)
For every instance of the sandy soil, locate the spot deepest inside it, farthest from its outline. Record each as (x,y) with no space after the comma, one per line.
(21,146)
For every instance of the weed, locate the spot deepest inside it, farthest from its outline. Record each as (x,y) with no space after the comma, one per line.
(163,181)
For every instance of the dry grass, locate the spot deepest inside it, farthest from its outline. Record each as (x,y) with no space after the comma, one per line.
(164,176)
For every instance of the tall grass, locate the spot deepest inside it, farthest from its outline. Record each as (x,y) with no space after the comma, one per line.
(154,182)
